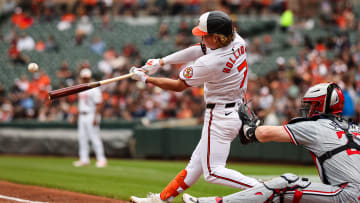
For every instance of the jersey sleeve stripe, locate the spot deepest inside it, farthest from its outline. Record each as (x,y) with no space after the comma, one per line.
(291,135)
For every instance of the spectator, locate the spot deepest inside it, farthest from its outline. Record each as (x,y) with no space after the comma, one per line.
(266,99)
(6,112)
(27,102)
(16,57)
(8,6)
(184,111)
(25,43)
(51,44)
(20,19)
(64,72)
(40,46)
(23,83)
(105,67)
(183,39)
(286,20)
(349,106)
(11,36)
(164,32)
(98,46)
(66,21)
(40,85)
(83,29)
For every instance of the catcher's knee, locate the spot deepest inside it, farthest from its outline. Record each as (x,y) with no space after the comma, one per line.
(287,181)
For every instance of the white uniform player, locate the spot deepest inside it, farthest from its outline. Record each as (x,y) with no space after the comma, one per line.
(222,68)
(333,142)
(89,107)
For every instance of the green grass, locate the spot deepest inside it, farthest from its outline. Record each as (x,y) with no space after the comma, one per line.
(122,178)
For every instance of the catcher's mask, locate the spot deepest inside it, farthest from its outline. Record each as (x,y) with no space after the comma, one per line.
(325,98)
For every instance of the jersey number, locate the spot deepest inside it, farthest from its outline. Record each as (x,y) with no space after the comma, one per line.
(240,68)
(349,151)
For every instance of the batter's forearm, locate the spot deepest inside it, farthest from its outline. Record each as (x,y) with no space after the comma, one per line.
(167,83)
(183,56)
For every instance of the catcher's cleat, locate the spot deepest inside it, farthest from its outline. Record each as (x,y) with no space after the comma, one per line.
(151,198)
(80,163)
(189,199)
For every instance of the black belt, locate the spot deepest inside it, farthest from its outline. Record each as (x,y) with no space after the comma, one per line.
(229,105)
(83,113)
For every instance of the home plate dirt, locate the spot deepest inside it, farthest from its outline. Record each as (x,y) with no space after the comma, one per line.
(11,193)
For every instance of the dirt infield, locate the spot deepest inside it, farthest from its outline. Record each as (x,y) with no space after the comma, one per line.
(42,194)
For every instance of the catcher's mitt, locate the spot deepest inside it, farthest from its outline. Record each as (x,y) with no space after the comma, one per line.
(250,122)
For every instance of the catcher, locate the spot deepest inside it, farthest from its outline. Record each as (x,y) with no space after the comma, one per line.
(332,141)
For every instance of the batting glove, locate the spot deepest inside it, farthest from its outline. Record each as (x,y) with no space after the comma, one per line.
(138,74)
(250,123)
(152,66)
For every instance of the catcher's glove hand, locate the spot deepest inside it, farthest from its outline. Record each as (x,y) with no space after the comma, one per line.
(250,122)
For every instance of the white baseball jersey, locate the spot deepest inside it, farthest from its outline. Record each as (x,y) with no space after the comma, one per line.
(88,100)
(223,72)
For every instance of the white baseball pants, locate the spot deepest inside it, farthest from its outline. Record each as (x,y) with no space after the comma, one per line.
(86,131)
(221,126)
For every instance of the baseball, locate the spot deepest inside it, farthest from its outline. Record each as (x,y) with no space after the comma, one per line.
(33,67)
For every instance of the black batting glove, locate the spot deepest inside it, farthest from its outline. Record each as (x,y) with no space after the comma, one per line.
(250,123)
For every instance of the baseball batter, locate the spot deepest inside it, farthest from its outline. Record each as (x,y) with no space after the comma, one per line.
(218,63)
(88,123)
(333,142)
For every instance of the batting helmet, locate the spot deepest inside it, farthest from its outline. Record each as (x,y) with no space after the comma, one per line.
(213,22)
(322,98)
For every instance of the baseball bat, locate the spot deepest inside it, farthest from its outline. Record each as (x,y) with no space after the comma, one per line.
(82,87)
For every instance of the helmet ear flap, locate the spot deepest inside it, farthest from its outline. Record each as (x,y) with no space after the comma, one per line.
(334,99)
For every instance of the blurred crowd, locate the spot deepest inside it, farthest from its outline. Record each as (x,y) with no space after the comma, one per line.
(52,9)
(274,96)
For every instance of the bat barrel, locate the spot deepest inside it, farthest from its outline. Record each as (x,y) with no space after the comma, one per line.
(71,90)
(82,87)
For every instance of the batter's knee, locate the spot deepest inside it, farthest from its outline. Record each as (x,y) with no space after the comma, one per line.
(209,178)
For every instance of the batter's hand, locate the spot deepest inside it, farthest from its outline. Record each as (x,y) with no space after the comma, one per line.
(139,74)
(152,66)
(250,123)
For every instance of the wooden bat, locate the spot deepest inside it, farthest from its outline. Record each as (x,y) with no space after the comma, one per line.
(82,87)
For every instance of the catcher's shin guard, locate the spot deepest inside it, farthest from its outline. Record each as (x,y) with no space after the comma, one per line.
(271,190)
(175,187)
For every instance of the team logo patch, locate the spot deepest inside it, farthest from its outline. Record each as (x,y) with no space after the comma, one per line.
(188,72)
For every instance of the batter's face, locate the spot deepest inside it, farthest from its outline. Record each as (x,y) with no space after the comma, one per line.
(210,41)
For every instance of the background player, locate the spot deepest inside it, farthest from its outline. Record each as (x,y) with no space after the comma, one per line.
(220,65)
(89,117)
(332,141)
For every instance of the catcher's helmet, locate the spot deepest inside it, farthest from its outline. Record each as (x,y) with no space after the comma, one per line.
(322,98)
